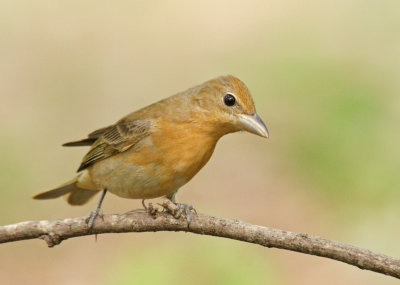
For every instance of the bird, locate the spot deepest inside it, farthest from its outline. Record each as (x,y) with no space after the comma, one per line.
(154,151)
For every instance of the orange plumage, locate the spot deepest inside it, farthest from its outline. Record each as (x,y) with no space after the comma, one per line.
(154,151)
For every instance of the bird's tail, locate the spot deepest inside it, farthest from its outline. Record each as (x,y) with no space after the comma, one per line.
(74,194)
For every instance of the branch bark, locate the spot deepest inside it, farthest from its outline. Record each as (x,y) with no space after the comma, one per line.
(54,232)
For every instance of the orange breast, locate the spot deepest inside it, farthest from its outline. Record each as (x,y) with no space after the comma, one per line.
(164,162)
(176,153)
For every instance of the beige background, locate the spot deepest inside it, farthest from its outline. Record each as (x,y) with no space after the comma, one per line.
(325,78)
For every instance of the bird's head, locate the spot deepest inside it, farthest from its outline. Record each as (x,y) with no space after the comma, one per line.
(226,103)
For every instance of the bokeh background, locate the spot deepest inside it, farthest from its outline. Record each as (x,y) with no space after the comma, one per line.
(325,78)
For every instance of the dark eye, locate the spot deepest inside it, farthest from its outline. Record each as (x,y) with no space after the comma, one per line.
(229,100)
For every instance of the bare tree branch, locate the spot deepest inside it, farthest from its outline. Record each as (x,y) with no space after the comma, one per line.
(54,232)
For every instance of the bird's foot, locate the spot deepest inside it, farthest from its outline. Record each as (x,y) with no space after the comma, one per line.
(96,212)
(189,210)
(177,209)
(152,210)
(92,216)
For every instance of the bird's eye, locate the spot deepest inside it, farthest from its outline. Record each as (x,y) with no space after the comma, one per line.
(229,100)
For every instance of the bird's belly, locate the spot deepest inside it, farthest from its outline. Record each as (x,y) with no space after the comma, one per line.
(148,174)
(130,180)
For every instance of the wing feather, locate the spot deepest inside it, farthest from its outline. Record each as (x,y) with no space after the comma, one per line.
(115,139)
(91,139)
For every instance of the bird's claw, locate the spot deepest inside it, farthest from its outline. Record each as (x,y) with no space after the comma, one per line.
(92,216)
(187,209)
(177,209)
(152,210)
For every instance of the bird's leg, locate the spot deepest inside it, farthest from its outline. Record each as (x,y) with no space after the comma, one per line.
(180,208)
(150,208)
(144,210)
(96,212)
(144,205)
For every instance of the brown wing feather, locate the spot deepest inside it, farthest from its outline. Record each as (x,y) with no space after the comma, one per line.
(116,139)
(98,133)
(84,142)
(91,139)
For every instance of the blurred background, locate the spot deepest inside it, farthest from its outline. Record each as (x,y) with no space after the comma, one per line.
(325,79)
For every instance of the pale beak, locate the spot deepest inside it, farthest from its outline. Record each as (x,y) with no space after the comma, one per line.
(253,124)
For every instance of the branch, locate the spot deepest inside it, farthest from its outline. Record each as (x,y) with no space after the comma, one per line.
(54,232)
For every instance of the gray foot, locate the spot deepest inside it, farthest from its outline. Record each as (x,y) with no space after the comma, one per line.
(92,216)
(187,209)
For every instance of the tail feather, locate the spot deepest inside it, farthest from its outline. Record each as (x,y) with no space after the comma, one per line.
(80,196)
(57,192)
(76,195)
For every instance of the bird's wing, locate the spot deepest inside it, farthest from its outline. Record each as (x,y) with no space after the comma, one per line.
(115,139)
(92,137)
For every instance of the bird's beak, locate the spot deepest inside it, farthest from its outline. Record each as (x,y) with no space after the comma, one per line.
(253,124)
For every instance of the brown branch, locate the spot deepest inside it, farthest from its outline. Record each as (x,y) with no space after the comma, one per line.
(54,232)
